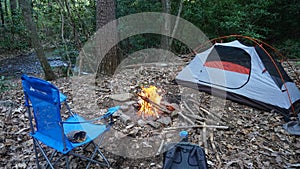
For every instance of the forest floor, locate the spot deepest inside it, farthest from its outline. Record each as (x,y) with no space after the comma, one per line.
(255,138)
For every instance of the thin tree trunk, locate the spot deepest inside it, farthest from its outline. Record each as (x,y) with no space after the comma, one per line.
(176,22)
(74,28)
(166,6)
(13,10)
(5,7)
(106,12)
(2,15)
(13,7)
(26,11)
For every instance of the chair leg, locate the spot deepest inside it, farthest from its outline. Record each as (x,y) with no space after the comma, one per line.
(36,153)
(51,157)
(45,156)
(93,155)
(97,149)
(102,155)
(67,161)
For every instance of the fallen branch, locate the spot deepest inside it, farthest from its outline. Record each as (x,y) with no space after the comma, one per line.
(188,108)
(204,137)
(134,66)
(239,162)
(203,109)
(196,117)
(215,149)
(186,118)
(196,126)
(160,147)
(294,165)
(209,113)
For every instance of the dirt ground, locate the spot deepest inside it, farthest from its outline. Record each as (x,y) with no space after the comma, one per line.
(255,138)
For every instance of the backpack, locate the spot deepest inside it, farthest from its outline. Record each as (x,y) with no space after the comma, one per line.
(185,155)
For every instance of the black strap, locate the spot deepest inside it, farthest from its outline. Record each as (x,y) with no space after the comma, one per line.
(170,155)
(201,158)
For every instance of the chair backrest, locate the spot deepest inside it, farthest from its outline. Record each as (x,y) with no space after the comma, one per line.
(44,98)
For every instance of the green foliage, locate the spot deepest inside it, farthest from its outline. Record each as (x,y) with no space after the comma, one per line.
(4,84)
(14,36)
(290,48)
(274,21)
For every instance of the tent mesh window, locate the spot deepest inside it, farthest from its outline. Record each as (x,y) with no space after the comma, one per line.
(270,67)
(229,58)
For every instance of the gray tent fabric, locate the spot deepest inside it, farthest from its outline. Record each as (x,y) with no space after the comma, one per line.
(243,74)
(293,127)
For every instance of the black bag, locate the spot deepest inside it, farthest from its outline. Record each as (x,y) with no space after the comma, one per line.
(185,155)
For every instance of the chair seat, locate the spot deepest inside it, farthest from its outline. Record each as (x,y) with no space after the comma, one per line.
(92,132)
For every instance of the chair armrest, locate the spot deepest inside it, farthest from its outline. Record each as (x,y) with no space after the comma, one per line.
(62,97)
(109,113)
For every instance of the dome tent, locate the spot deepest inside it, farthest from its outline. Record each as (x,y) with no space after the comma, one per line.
(247,74)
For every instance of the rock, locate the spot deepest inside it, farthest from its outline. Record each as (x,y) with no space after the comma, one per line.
(106,90)
(130,103)
(129,126)
(134,131)
(141,123)
(124,107)
(165,120)
(121,97)
(174,113)
(154,124)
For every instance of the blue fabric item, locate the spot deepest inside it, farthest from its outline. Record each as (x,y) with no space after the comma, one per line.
(92,132)
(45,99)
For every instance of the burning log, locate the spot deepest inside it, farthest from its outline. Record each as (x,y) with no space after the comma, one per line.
(167,109)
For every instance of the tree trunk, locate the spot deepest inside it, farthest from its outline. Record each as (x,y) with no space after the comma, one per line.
(5,8)
(13,7)
(166,6)
(26,11)
(6,15)
(2,14)
(176,23)
(74,28)
(106,12)
(13,10)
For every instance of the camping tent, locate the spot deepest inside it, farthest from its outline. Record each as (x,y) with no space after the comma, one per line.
(246,74)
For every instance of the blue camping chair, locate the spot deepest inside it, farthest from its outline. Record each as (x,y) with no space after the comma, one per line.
(48,128)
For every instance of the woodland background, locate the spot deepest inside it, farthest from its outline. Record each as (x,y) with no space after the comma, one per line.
(63,26)
(46,29)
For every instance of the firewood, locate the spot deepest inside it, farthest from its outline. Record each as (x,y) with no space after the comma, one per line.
(196,117)
(204,110)
(123,117)
(214,148)
(188,108)
(186,118)
(160,147)
(204,139)
(196,126)
(161,108)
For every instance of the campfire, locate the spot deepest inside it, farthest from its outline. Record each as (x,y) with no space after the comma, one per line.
(150,103)
(148,99)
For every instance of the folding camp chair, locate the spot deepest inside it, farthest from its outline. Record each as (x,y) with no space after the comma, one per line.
(48,128)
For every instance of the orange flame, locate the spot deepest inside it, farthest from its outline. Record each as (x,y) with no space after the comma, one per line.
(147,109)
